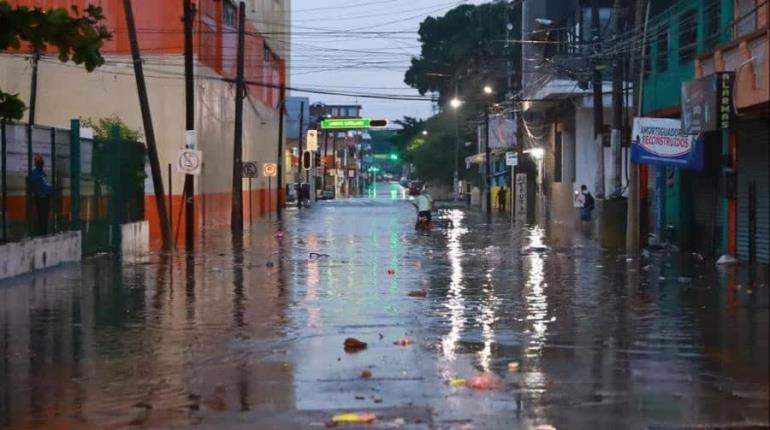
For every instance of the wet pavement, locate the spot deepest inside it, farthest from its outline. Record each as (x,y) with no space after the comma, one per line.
(250,334)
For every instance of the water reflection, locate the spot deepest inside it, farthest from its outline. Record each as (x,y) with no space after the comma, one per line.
(253,334)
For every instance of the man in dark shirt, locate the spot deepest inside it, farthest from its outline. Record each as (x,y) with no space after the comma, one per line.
(41,191)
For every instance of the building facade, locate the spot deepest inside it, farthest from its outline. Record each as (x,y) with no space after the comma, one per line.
(66,92)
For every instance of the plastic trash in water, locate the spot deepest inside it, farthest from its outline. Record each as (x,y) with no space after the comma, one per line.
(418,293)
(457,382)
(366,374)
(354,418)
(403,342)
(485,381)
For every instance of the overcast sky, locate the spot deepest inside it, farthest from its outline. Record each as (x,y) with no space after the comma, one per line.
(360,46)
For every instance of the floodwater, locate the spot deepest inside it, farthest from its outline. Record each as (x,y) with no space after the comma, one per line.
(250,334)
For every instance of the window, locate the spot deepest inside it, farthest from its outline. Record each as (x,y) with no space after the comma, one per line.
(745,17)
(266,54)
(663,51)
(713,14)
(688,29)
(229,13)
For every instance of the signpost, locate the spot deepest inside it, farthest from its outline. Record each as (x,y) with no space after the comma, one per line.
(352,123)
(269,170)
(189,161)
(511,159)
(521,196)
(312,140)
(250,171)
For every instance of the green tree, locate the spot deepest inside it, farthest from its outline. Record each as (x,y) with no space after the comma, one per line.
(103,128)
(464,50)
(78,38)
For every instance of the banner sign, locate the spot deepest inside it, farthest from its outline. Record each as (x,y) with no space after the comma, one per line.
(660,141)
(707,103)
(502,132)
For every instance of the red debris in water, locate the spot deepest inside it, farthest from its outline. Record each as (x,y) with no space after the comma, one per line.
(403,342)
(391,271)
(418,293)
(366,374)
(278,235)
(485,381)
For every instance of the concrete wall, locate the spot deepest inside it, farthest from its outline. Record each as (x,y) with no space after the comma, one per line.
(135,240)
(17,258)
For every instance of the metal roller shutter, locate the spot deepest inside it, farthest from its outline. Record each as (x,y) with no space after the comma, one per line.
(753,173)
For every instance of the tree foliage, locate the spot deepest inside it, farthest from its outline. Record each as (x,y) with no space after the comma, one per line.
(103,128)
(77,38)
(465,49)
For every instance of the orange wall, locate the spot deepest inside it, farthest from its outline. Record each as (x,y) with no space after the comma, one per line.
(212,209)
(160,29)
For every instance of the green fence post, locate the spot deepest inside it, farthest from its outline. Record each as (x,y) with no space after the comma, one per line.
(115,162)
(75,174)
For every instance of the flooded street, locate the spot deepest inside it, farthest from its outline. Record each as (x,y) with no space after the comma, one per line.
(251,335)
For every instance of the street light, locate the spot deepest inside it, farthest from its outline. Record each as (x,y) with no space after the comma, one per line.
(488,153)
(425,132)
(487,89)
(455,103)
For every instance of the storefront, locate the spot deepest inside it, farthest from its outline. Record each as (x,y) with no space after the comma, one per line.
(753,190)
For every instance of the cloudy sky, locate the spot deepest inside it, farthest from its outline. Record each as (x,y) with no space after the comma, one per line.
(363,47)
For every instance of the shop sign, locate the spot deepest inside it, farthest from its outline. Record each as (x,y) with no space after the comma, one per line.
(662,142)
(707,103)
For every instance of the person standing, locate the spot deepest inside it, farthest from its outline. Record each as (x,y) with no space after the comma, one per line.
(41,191)
(502,196)
(587,202)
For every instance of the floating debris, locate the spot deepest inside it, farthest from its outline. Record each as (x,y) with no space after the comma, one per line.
(418,293)
(354,418)
(366,374)
(485,381)
(354,345)
(403,342)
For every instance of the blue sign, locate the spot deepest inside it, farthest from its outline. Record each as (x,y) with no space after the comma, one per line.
(661,141)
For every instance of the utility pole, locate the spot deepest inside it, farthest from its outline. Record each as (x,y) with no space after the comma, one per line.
(301,154)
(488,155)
(634,206)
(598,99)
(617,102)
(189,92)
(236,214)
(326,152)
(149,132)
(33,87)
(279,164)
(31,124)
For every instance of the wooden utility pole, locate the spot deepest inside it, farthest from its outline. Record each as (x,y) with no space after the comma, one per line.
(634,206)
(189,92)
(598,99)
(279,164)
(301,154)
(149,132)
(617,102)
(236,216)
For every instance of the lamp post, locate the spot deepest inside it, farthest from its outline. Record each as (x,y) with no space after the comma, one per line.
(455,103)
(488,91)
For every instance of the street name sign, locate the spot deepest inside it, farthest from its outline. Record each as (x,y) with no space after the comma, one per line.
(352,123)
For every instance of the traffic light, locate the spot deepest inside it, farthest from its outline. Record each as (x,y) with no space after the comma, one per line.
(317,159)
(394,156)
(378,123)
(306,160)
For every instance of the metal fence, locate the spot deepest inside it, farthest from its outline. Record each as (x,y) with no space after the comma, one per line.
(95,184)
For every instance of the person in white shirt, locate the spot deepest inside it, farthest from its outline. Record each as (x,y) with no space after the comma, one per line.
(424,204)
